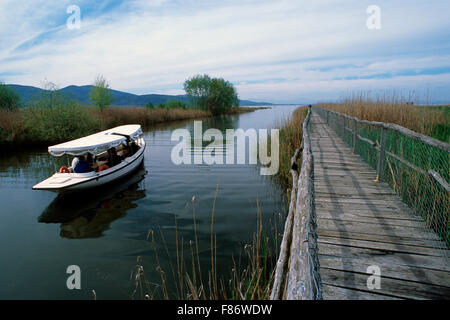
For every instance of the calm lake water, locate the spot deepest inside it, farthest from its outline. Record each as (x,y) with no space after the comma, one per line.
(104,233)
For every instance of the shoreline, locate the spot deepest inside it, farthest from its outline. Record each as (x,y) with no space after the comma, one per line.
(26,129)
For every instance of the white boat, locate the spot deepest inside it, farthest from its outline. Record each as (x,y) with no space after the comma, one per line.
(98,145)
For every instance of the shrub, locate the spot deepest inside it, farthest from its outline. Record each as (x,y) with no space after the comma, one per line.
(101,95)
(12,129)
(9,99)
(175,104)
(53,118)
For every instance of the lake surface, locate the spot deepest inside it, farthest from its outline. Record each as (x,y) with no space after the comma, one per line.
(104,233)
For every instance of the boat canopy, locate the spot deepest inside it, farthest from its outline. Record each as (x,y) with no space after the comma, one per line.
(97,142)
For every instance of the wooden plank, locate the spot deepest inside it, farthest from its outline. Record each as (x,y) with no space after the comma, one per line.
(346,181)
(322,186)
(332,292)
(386,256)
(394,287)
(411,273)
(382,246)
(360,195)
(375,219)
(352,207)
(336,190)
(361,227)
(380,238)
(361,203)
(356,188)
(394,215)
(351,170)
(355,201)
(356,174)
(335,156)
(359,206)
(336,161)
(349,178)
(337,175)
(319,164)
(327,148)
(340,166)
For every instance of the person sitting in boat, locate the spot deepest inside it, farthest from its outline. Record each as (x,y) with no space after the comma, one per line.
(115,159)
(74,162)
(90,159)
(82,166)
(125,152)
(133,148)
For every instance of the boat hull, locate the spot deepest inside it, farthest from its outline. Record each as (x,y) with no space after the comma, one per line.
(73,182)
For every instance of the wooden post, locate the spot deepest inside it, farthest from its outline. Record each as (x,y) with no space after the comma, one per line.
(302,275)
(381,155)
(328,114)
(343,127)
(277,290)
(355,134)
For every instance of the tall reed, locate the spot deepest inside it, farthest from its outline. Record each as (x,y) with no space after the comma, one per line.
(60,119)
(290,139)
(115,116)
(250,277)
(429,120)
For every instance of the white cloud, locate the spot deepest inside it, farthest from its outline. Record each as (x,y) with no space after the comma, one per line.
(289,48)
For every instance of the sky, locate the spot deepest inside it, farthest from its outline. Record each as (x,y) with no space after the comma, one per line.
(281,51)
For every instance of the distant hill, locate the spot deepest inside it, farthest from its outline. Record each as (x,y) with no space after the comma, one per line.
(121,99)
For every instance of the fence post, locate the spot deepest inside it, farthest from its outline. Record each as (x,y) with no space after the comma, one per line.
(355,134)
(381,155)
(343,127)
(328,114)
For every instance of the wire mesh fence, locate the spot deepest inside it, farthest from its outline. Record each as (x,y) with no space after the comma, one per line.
(417,167)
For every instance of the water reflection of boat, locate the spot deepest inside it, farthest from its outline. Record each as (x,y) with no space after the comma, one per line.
(88,215)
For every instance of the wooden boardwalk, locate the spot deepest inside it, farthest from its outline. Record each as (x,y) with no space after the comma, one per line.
(363,223)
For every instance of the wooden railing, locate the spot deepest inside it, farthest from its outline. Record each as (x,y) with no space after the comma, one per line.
(297,272)
(414,165)
(417,167)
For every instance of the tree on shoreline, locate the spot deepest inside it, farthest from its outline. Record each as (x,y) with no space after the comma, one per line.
(9,99)
(213,94)
(100,94)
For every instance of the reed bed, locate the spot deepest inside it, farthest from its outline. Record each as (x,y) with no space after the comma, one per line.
(290,139)
(11,127)
(186,277)
(41,124)
(433,121)
(146,117)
